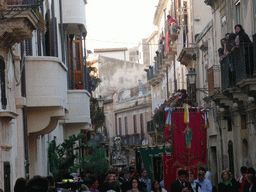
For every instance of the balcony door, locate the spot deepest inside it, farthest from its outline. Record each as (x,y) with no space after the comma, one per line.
(76,64)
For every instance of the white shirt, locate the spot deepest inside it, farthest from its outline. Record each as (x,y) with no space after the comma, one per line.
(194,187)
(208,175)
(206,185)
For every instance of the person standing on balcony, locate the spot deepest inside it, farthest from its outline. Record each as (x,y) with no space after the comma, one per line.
(222,50)
(171,20)
(246,44)
(243,37)
(230,47)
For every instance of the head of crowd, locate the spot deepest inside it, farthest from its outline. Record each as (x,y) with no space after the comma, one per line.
(117,179)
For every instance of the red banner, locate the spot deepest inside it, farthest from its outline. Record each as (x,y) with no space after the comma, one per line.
(167,42)
(189,146)
(189,141)
(171,171)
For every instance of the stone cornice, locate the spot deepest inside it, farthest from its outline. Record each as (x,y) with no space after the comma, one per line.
(159,12)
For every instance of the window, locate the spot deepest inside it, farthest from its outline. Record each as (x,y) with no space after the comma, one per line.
(39,49)
(245,148)
(238,12)
(231,156)
(223,25)
(126,125)
(135,124)
(141,127)
(116,125)
(28,47)
(229,123)
(120,126)
(2,83)
(243,121)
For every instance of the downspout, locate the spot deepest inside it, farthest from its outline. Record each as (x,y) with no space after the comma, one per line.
(24,110)
(174,74)
(61,33)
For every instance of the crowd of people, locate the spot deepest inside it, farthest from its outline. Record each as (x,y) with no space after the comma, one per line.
(237,41)
(125,180)
(128,180)
(203,183)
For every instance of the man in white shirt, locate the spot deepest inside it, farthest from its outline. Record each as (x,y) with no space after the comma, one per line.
(205,184)
(195,186)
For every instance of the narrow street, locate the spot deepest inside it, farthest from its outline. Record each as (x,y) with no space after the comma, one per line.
(127,96)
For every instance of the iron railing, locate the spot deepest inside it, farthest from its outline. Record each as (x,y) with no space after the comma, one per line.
(153,70)
(238,65)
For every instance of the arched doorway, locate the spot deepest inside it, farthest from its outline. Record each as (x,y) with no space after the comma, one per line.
(245,154)
(231,156)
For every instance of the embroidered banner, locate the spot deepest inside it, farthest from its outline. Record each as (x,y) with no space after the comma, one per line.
(189,140)
(188,144)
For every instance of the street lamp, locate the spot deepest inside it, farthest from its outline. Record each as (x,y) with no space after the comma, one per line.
(191,77)
(191,80)
(100,102)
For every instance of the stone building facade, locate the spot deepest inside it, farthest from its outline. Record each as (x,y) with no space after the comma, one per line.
(39,99)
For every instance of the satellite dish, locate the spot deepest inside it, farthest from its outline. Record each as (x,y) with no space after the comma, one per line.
(145,142)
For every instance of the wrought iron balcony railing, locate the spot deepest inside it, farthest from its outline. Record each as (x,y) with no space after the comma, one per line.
(238,65)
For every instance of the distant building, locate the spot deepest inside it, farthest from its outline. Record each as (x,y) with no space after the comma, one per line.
(115,53)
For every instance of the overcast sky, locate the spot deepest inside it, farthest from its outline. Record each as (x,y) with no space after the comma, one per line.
(122,21)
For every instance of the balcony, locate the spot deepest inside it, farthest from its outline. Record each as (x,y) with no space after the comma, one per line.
(46,93)
(187,56)
(156,72)
(18,21)
(173,33)
(74,15)
(238,80)
(79,108)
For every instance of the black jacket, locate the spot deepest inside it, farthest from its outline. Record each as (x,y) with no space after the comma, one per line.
(177,187)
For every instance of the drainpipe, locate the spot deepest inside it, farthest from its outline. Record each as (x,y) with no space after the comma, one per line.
(174,74)
(62,33)
(24,111)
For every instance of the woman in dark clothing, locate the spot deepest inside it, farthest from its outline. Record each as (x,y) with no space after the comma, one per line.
(222,49)
(246,46)
(227,184)
(243,37)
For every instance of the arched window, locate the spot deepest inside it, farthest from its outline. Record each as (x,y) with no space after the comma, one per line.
(231,156)
(2,83)
(245,148)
